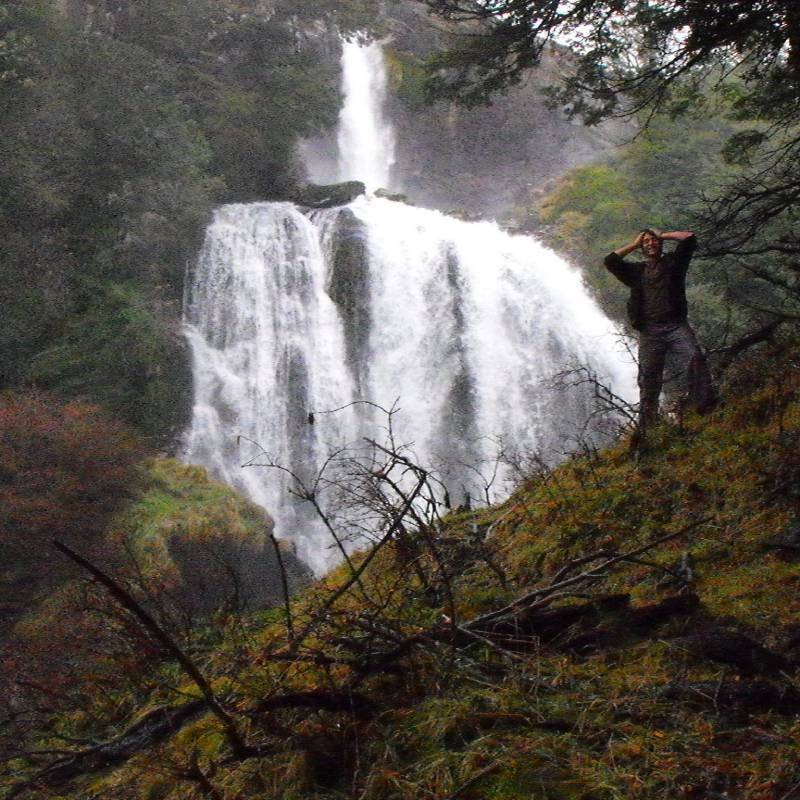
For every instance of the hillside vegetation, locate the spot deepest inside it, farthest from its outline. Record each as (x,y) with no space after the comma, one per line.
(616,629)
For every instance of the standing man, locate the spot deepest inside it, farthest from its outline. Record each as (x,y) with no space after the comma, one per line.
(657,309)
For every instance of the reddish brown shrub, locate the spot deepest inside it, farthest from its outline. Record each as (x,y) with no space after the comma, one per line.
(64,469)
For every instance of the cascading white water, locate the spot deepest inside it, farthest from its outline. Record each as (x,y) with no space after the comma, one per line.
(267,345)
(289,313)
(366,140)
(462,322)
(468,326)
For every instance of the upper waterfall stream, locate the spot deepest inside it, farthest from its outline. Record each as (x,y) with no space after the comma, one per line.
(365,139)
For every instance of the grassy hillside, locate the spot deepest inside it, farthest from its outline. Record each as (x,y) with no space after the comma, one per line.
(200,542)
(618,669)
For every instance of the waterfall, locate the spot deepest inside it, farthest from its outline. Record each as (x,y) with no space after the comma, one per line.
(366,140)
(460,322)
(290,313)
(267,346)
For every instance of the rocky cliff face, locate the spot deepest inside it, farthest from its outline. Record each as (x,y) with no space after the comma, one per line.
(484,160)
(480,162)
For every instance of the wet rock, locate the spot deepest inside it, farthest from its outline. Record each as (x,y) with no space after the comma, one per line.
(387,195)
(329,196)
(349,289)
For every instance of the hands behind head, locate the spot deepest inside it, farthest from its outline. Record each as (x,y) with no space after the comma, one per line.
(659,234)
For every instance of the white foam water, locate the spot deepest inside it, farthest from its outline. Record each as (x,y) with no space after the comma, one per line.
(462,323)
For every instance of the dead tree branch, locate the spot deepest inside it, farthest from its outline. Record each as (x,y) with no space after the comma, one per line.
(536,597)
(124,598)
(153,728)
(284,586)
(322,612)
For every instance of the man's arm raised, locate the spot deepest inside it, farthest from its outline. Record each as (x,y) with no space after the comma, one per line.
(687,243)
(674,236)
(621,269)
(629,248)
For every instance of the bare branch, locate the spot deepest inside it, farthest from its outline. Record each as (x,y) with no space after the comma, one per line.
(238,746)
(528,600)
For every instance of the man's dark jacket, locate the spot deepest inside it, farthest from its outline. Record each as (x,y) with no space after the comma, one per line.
(630,273)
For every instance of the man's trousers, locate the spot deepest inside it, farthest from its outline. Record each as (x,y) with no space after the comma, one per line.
(676,341)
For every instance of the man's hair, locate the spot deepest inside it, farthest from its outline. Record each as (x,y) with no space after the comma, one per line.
(651,232)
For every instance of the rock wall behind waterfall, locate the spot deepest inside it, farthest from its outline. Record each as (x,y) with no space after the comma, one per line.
(486,160)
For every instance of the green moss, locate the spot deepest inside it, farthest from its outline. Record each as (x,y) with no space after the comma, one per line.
(407,75)
(182,499)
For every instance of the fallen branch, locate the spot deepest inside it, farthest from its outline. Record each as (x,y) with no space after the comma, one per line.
(611,617)
(124,598)
(534,597)
(152,729)
(740,696)
(735,648)
(525,621)
(349,702)
(474,779)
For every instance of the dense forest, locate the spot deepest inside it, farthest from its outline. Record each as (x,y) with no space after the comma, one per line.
(618,628)
(123,124)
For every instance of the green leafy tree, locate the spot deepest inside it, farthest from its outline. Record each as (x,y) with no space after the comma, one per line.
(125,351)
(682,59)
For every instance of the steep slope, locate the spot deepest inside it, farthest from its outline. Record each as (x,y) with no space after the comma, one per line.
(617,629)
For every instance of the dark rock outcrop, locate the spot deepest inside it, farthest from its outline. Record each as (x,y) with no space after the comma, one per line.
(349,289)
(329,196)
(240,574)
(387,195)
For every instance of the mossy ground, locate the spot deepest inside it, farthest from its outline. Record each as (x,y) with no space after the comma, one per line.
(178,499)
(549,722)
